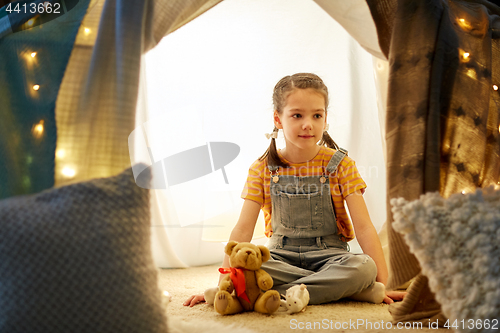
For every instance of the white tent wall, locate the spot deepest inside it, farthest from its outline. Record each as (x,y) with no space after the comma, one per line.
(212,80)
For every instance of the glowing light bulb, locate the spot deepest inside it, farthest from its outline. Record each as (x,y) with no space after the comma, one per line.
(60,153)
(30,22)
(464,24)
(464,56)
(495,87)
(463,192)
(68,172)
(26,181)
(87,31)
(33,54)
(36,87)
(38,129)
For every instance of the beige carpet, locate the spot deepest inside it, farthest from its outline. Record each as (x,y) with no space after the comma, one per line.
(339,316)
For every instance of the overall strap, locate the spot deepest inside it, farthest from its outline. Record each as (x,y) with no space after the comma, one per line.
(336,159)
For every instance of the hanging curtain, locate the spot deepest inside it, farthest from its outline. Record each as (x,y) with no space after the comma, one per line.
(34,52)
(442,123)
(70,86)
(97,95)
(96,104)
(217,86)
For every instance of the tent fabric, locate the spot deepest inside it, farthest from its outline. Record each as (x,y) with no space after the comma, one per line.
(242,42)
(442,129)
(95,109)
(355,17)
(33,60)
(442,117)
(442,121)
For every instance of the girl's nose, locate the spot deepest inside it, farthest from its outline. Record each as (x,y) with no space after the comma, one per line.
(307,125)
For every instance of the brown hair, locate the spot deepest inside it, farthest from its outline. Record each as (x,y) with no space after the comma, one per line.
(285,87)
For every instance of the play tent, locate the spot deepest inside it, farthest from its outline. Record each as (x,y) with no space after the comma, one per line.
(68,117)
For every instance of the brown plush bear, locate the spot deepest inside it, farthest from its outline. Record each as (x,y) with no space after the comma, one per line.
(247,281)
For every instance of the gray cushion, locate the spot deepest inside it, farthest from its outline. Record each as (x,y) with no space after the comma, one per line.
(456,243)
(78,259)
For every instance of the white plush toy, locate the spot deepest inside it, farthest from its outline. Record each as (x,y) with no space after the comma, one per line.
(210,295)
(166,298)
(297,298)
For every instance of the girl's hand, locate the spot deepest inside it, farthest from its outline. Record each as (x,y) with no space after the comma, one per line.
(392,295)
(193,300)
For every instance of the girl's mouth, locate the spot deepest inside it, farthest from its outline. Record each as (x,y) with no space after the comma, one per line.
(306,136)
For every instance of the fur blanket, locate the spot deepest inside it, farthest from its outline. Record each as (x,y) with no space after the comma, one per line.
(457,243)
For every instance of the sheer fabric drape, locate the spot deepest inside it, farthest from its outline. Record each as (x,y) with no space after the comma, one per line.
(218,87)
(95,110)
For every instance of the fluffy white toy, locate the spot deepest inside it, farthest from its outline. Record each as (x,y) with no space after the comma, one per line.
(297,298)
(166,298)
(210,295)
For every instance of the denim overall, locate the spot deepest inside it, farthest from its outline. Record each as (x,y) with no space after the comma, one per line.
(305,247)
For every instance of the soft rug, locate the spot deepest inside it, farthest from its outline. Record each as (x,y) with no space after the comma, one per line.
(342,316)
(456,241)
(177,325)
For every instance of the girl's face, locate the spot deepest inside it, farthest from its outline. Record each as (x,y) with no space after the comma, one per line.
(303,120)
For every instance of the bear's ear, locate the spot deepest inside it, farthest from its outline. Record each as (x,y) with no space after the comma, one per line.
(266,255)
(229,247)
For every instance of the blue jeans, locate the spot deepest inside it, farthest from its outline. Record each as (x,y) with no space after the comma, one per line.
(330,273)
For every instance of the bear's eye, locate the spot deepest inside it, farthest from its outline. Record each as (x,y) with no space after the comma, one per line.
(295,302)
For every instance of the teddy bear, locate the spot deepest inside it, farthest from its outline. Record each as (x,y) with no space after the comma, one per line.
(249,282)
(297,298)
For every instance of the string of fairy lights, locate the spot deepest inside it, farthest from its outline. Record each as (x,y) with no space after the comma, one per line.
(69,172)
(38,129)
(466,57)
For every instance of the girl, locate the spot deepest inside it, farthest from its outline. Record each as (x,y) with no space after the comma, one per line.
(301,190)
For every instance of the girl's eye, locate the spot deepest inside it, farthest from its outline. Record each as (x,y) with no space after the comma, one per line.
(318,116)
(297,115)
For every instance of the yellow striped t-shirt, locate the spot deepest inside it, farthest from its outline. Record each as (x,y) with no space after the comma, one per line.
(345,181)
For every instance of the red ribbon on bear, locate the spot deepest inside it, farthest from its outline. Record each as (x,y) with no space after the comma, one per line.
(238,278)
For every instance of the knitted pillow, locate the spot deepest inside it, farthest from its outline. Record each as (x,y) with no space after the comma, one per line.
(456,242)
(78,259)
